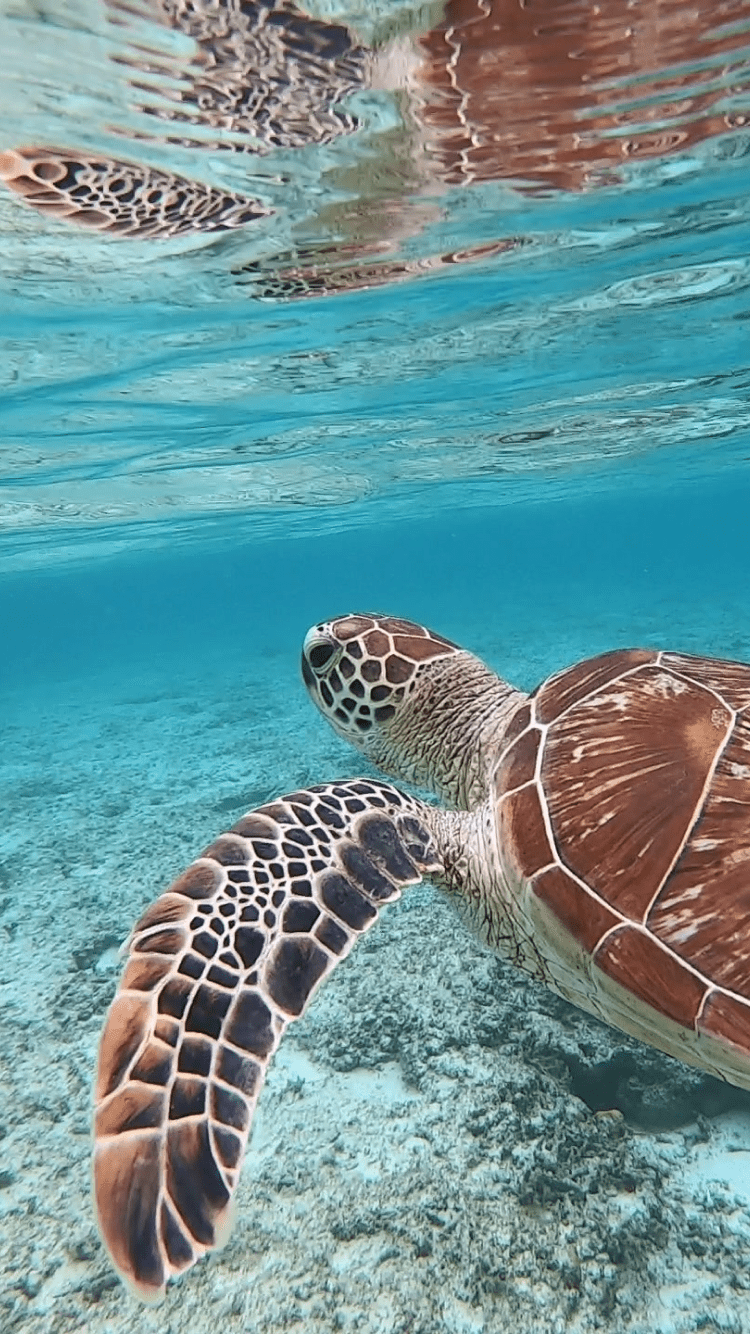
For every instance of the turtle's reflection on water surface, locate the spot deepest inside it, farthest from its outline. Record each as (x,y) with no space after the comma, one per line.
(546,97)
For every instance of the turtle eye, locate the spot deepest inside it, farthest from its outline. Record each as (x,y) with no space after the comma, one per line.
(320,653)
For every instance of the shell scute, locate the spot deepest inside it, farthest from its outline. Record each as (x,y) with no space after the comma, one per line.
(580,912)
(518,723)
(566,688)
(703,911)
(518,765)
(522,831)
(727,1019)
(624,772)
(631,957)
(729,679)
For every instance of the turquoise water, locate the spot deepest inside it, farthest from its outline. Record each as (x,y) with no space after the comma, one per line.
(511,404)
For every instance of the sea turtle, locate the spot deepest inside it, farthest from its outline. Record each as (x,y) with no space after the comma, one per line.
(598,836)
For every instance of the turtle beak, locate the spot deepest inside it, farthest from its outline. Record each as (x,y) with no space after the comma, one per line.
(307,671)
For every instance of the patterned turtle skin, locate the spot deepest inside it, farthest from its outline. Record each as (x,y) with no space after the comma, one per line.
(596,833)
(121,198)
(264,75)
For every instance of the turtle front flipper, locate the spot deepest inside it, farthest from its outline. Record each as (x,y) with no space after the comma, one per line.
(121,198)
(216,969)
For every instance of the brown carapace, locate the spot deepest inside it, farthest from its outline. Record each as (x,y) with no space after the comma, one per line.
(601,842)
(623,809)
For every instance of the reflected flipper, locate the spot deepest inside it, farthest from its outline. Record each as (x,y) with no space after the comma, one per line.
(216,969)
(121,198)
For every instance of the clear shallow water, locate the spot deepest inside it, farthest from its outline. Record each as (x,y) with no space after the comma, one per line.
(512,403)
(528,341)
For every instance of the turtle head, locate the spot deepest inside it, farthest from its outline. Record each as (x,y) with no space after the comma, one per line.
(408,699)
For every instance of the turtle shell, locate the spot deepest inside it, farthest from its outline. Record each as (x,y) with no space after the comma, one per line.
(623,815)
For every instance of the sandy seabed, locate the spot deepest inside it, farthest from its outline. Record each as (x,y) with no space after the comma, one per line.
(441,1146)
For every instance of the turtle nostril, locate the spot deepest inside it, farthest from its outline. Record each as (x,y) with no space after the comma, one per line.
(319,654)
